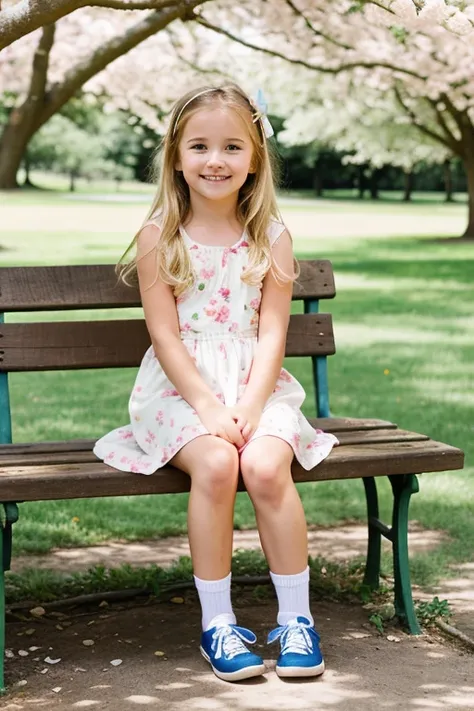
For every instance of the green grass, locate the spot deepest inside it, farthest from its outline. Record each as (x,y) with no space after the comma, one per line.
(404,305)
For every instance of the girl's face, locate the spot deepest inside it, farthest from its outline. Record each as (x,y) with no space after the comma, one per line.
(215,154)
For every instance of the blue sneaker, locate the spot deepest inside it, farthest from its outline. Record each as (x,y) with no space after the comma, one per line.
(228,656)
(300,654)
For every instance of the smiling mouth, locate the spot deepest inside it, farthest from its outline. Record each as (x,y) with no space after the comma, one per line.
(215,178)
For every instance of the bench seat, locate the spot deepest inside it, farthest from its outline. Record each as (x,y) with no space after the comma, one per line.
(69,470)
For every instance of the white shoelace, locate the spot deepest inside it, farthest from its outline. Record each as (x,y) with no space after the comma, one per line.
(228,641)
(294,637)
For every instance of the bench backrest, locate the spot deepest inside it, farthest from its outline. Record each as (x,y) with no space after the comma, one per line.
(67,345)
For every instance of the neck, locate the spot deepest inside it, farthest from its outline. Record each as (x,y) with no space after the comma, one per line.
(217,212)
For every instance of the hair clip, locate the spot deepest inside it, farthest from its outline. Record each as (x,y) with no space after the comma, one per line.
(260,107)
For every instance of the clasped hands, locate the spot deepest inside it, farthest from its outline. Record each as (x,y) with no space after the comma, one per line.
(234,424)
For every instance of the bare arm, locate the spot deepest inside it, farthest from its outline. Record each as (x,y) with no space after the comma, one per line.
(273,326)
(162,322)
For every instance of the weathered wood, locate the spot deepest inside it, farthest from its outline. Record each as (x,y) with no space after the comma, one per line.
(62,345)
(328,424)
(96,286)
(70,481)
(14,455)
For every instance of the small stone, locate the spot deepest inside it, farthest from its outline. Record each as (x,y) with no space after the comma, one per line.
(37,611)
(116,662)
(9,654)
(22,653)
(92,622)
(128,641)
(158,653)
(177,600)
(59,627)
(48,660)
(79,669)
(57,689)
(88,642)
(34,649)
(30,631)
(392,638)
(44,671)
(104,603)
(23,682)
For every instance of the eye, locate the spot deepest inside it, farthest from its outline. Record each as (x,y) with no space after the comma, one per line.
(232,147)
(198,147)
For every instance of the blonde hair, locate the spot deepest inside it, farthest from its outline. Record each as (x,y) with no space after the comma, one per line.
(256,205)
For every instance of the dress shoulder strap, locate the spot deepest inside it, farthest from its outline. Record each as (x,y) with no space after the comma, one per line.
(154,219)
(275,230)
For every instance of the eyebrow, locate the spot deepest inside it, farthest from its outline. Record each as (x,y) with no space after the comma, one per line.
(202,138)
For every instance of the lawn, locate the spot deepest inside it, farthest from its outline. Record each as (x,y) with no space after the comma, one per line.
(404,329)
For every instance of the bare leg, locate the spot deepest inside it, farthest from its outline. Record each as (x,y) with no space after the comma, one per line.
(266,469)
(213,465)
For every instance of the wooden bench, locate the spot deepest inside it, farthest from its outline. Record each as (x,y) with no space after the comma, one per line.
(41,471)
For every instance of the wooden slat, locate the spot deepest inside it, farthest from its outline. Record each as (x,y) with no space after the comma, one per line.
(62,345)
(70,481)
(336,425)
(95,286)
(16,455)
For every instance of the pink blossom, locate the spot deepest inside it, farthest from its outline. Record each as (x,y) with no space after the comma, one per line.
(223,314)
(159,417)
(255,303)
(110,456)
(171,422)
(169,393)
(223,350)
(207,273)
(284,375)
(125,434)
(224,292)
(233,327)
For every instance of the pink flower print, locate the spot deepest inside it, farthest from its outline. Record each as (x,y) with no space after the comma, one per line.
(284,375)
(210,312)
(234,327)
(138,389)
(254,320)
(194,246)
(224,292)
(207,273)
(124,460)
(171,422)
(296,439)
(150,438)
(159,417)
(110,456)
(255,303)
(179,440)
(169,393)
(125,434)
(185,327)
(244,244)
(277,388)
(220,397)
(165,456)
(225,257)
(223,350)
(135,467)
(223,314)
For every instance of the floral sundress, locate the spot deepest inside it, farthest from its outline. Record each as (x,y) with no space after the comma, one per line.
(218,319)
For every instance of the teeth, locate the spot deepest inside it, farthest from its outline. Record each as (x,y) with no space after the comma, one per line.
(215,177)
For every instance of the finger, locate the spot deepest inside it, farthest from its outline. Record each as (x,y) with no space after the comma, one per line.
(222,433)
(247,431)
(236,435)
(241,422)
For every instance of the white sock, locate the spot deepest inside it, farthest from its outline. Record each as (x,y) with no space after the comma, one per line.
(214,596)
(293,596)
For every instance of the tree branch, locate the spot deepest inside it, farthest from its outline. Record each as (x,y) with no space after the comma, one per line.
(76,77)
(442,122)
(455,148)
(26,16)
(310,26)
(301,62)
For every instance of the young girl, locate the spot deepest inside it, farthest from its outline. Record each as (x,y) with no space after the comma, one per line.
(215,269)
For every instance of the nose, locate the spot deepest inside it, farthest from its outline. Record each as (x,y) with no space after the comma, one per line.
(215,159)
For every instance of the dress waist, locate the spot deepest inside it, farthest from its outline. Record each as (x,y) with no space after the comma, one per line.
(218,335)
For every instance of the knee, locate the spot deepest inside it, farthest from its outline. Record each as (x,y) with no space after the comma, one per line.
(217,472)
(265,480)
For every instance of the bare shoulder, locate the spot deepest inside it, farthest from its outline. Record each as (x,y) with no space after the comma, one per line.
(147,239)
(282,251)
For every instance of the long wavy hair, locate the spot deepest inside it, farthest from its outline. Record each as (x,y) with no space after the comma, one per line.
(256,205)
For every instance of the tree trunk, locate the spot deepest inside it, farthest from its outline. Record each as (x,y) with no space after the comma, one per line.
(318,183)
(374,184)
(469,168)
(408,185)
(361,181)
(13,143)
(72,181)
(448,181)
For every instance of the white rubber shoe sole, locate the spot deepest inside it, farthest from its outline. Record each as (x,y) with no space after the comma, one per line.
(239,675)
(300,671)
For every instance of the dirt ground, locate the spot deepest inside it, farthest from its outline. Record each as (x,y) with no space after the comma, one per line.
(365,671)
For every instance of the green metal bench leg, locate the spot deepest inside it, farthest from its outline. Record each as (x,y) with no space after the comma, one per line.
(403,487)
(372,566)
(11,516)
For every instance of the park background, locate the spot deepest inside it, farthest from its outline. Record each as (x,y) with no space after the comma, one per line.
(372,106)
